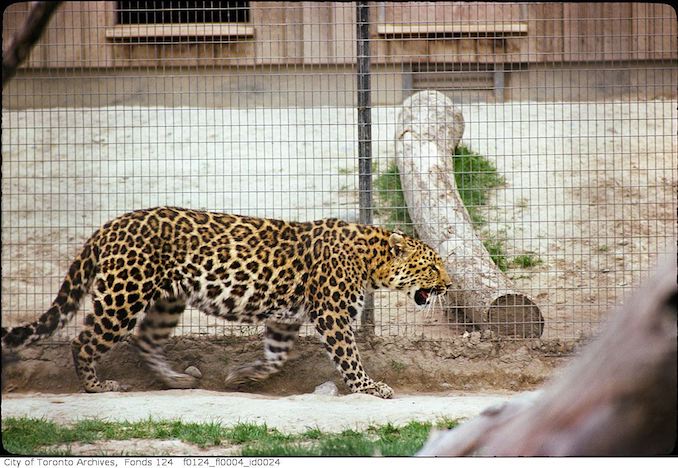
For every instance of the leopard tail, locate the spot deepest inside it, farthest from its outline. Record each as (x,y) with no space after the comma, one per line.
(76,284)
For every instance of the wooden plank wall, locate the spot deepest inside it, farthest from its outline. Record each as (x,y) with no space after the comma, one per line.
(74,38)
(323,33)
(462,48)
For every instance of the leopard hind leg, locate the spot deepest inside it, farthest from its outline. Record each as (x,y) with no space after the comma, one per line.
(278,341)
(111,320)
(152,334)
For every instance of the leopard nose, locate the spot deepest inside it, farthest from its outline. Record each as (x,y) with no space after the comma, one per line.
(447,281)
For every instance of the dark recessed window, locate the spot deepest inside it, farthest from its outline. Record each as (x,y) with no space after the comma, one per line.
(178,12)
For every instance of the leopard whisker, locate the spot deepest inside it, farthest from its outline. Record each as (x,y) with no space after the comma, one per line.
(428,308)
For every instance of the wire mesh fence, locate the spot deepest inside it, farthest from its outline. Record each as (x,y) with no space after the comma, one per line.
(567,164)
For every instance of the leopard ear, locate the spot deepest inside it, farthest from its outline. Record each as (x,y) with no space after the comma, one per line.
(397,243)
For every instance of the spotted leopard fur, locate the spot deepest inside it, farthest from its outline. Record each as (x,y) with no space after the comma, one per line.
(149,264)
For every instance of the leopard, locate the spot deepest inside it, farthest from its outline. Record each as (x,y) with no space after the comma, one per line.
(143,268)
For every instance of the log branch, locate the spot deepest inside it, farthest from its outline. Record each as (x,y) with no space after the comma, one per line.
(23,40)
(429,130)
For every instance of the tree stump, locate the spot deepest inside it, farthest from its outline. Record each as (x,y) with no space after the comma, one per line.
(429,130)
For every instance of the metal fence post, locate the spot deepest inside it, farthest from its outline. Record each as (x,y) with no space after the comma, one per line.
(364,138)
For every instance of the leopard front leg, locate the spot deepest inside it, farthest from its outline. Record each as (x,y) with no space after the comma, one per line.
(337,336)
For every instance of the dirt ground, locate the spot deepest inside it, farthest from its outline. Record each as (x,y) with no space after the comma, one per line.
(467,363)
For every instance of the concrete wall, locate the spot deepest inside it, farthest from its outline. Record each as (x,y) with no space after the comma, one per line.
(586,82)
(308,86)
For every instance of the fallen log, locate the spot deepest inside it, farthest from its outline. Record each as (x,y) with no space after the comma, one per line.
(429,130)
(617,398)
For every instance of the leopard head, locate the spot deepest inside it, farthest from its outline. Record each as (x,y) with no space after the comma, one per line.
(416,269)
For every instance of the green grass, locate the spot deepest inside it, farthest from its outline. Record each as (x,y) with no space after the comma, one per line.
(526,261)
(495,247)
(27,436)
(22,436)
(385,440)
(475,177)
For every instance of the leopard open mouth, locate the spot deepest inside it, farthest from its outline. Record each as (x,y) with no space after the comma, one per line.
(421,296)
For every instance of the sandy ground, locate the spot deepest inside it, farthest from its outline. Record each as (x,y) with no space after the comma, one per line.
(590,189)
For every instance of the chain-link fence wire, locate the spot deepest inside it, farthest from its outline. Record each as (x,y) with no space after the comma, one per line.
(567,163)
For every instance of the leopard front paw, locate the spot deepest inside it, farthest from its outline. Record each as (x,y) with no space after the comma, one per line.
(112,386)
(379,389)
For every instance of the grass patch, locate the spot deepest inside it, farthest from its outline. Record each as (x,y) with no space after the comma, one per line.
(495,247)
(21,436)
(526,261)
(26,435)
(29,436)
(385,440)
(475,177)
(402,441)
